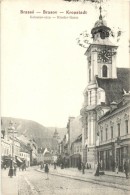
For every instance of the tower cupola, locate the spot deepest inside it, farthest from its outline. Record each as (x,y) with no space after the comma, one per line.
(100,29)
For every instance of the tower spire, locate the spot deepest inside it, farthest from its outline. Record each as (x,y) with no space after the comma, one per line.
(100,8)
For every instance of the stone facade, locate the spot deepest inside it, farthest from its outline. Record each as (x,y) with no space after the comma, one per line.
(114,136)
(76,152)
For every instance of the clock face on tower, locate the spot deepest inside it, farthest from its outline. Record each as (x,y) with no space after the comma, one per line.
(105,56)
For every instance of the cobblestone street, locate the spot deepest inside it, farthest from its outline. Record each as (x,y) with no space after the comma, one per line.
(34,182)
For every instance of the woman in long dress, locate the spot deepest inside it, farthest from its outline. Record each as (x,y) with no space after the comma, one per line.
(47,170)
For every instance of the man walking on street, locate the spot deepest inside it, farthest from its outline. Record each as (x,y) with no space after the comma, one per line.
(47,170)
(15,169)
(126,169)
(83,168)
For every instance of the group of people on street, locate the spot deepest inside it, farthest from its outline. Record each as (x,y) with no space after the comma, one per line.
(125,168)
(22,167)
(13,168)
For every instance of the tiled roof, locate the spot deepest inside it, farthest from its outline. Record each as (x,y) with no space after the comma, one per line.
(114,88)
(120,105)
(123,75)
(78,139)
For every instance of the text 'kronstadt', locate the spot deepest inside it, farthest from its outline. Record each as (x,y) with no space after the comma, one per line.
(66,12)
(53,12)
(76,12)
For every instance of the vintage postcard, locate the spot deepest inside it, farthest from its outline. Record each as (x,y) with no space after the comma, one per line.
(65,97)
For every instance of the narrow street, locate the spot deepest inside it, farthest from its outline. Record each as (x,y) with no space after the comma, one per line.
(33,182)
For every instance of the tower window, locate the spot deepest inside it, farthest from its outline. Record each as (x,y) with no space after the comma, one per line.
(101,135)
(111,131)
(104,71)
(90,97)
(126,126)
(90,74)
(106,133)
(118,126)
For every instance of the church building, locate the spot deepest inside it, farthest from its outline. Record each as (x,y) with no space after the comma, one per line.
(106,85)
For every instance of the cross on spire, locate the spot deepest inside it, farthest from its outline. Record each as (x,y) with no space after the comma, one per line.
(100,17)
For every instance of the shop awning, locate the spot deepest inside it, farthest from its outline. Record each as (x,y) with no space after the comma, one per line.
(19,159)
(76,156)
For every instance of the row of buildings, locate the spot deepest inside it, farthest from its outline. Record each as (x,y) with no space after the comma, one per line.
(102,131)
(19,148)
(22,149)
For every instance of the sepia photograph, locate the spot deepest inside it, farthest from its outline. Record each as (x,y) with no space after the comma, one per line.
(65,97)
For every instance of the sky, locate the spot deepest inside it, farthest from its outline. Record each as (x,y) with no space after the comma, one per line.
(43,69)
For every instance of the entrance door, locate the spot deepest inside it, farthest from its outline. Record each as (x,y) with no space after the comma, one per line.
(107,160)
(119,158)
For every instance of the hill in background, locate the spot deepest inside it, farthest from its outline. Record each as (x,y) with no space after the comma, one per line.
(33,130)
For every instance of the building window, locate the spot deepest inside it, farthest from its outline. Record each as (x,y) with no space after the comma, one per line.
(104,71)
(90,97)
(77,148)
(126,126)
(106,133)
(89,74)
(111,132)
(80,148)
(118,126)
(101,135)
(86,132)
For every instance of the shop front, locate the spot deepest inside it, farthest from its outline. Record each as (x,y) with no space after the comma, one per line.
(75,160)
(6,161)
(106,155)
(114,154)
(122,155)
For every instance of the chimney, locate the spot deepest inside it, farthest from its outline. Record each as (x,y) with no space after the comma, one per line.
(126,97)
(113,106)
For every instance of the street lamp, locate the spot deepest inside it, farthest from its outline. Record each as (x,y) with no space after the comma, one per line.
(11,130)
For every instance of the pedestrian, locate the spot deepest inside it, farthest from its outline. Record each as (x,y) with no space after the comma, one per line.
(97,170)
(79,166)
(83,168)
(11,169)
(22,166)
(116,166)
(47,170)
(41,166)
(15,169)
(54,165)
(5,166)
(126,169)
(25,166)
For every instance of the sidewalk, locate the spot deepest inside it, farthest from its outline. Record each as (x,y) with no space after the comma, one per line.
(9,186)
(109,179)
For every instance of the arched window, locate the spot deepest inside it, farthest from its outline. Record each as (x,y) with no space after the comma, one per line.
(104,71)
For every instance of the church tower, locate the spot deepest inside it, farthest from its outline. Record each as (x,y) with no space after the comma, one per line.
(101,60)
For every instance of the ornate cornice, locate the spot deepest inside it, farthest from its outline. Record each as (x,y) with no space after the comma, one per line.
(126,116)
(118,120)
